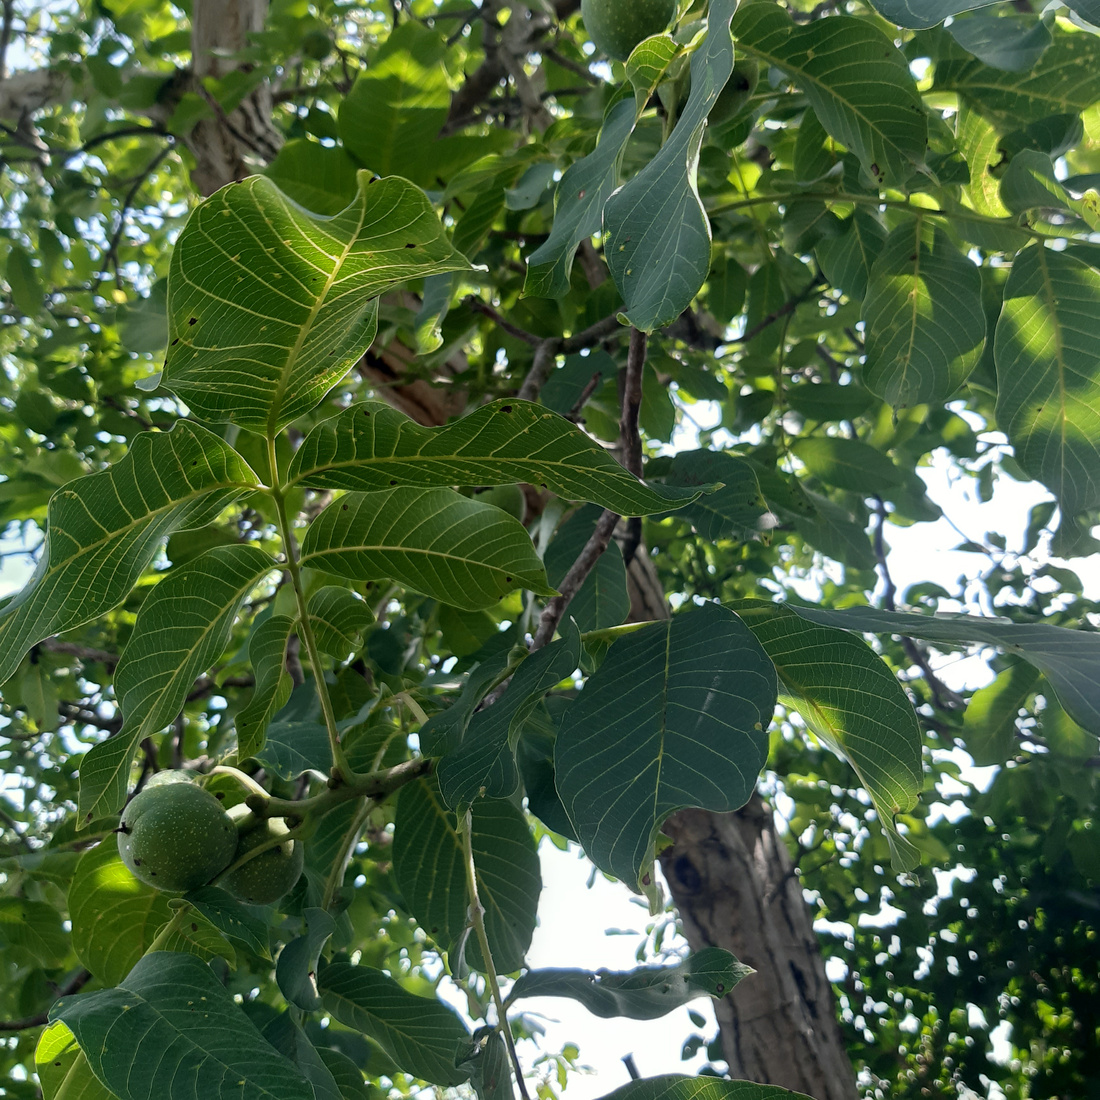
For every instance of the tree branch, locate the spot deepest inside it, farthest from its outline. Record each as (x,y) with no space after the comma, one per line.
(73,985)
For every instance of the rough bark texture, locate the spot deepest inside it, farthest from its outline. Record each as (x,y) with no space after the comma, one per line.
(228,146)
(732,881)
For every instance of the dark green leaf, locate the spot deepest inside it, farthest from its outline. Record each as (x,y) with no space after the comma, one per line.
(603,599)
(675,1087)
(423,1036)
(296,971)
(171,1031)
(676,716)
(267,655)
(231,918)
(339,618)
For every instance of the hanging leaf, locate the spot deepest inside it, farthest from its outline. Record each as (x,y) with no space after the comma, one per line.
(171,1029)
(423,1036)
(371,446)
(429,866)
(583,190)
(483,763)
(270,306)
(296,971)
(851,701)
(1048,373)
(435,541)
(657,236)
(990,723)
(676,716)
(183,627)
(103,529)
(855,79)
(267,656)
(847,463)
(924,317)
(1013,43)
(338,618)
(922,14)
(846,259)
(646,993)
(1068,658)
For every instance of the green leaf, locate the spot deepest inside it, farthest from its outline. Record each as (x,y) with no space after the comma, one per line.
(646,993)
(922,14)
(732,511)
(423,1036)
(347,1075)
(183,627)
(647,65)
(676,716)
(433,541)
(371,446)
(1068,658)
(338,618)
(296,970)
(322,178)
(827,401)
(980,143)
(287,1037)
(392,116)
(63,1069)
(847,463)
(27,295)
(231,918)
(846,259)
(989,725)
(924,317)
(675,1087)
(1014,43)
(483,762)
(855,79)
(1029,183)
(603,599)
(297,740)
(583,190)
(1048,373)
(429,867)
(34,929)
(1066,80)
(103,529)
(657,233)
(115,918)
(850,699)
(267,655)
(491,1073)
(269,306)
(443,731)
(171,1030)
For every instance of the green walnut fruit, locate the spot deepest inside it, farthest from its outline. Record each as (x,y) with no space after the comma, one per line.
(508,498)
(267,877)
(176,837)
(617,26)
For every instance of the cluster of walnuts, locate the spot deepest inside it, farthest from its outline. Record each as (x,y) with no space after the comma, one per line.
(176,837)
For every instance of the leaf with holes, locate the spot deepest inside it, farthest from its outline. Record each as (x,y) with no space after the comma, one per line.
(372,446)
(676,716)
(269,306)
(434,541)
(102,530)
(429,866)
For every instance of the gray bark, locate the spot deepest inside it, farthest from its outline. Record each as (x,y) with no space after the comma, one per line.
(734,887)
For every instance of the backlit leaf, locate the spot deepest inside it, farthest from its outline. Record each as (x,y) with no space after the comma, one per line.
(269,306)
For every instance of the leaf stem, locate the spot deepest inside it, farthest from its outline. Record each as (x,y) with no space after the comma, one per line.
(340,764)
(477,918)
(169,929)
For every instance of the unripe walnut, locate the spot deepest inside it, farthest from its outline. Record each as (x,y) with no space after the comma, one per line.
(176,837)
(267,877)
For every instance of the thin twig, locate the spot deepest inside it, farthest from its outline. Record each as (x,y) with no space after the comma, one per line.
(73,985)
(574,413)
(478,306)
(632,403)
(546,356)
(477,918)
(788,306)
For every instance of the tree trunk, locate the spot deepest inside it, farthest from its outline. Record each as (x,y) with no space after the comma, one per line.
(734,887)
